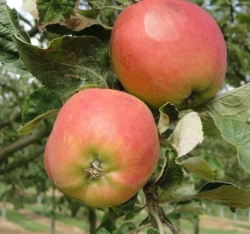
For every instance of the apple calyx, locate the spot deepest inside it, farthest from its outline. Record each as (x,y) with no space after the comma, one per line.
(96,171)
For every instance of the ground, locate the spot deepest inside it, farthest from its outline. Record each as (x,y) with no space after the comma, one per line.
(210,223)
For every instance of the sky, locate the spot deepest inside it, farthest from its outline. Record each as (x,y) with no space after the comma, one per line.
(15,4)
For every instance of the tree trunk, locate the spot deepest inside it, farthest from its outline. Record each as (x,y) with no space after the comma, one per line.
(53,213)
(196,228)
(92,220)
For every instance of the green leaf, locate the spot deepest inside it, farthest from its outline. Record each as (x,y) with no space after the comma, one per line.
(31,126)
(185,190)
(67,64)
(236,133)
(172,173)
(190,206)
(96,3)
(217,165)
(234,104)
(199,167)
(209,127)
(126,208)
(91,13)
(168,113)
(9,24)
(94,30)
(125,228)
(103,231)
(187,134)
(39,102)
(78,22)
(152,231)
(38,106)
(53,11)
(225,192)
(106,222)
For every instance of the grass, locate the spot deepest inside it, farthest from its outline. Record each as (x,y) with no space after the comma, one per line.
(218,231)
(242,225)
(25,222)
(73,221)
(186,226)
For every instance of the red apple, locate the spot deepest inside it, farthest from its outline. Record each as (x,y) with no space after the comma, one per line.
(168,51)
(103,147)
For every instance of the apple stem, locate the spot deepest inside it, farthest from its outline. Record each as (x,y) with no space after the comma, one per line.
(156,213)
(153,213)
(191,98)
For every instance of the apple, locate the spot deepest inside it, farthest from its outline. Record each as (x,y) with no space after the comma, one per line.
(168,51)
(103,148)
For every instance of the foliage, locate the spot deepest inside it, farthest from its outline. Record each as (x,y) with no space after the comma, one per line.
(202,148)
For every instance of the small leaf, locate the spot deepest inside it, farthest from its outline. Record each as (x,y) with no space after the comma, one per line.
(125,208)
(68,63)
(54,11)
(96,30)
(186,188)
(38,106)
(125,228)
(168,113)
(217,165)
(39,102)
(209,127)
(234,104)
(78,22)
(211,186)
(102,230)
(9,24)
(172,174)
(190,206)
(187,134)
(31,126)
(92,13)
(144,221)
(199,167)
(225,192)
(152,231)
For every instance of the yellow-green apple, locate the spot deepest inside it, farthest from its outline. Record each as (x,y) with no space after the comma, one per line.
(168,51)
(103,147)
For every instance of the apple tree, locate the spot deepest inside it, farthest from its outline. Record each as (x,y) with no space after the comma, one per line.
(205,149)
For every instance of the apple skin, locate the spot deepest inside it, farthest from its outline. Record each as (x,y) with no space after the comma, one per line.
(168,51)
(106,126)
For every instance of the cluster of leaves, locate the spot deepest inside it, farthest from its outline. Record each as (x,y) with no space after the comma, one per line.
(78,58)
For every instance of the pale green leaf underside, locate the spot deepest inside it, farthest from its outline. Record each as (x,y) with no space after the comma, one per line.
(187,134)
(230,194)
(234,104)
(235,132)
(238,134)
(31,126)
(199,167)
(9,24)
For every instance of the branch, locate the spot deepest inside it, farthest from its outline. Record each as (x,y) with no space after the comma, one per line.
(5,123)
(23,142)
(10,121)
(18,164)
